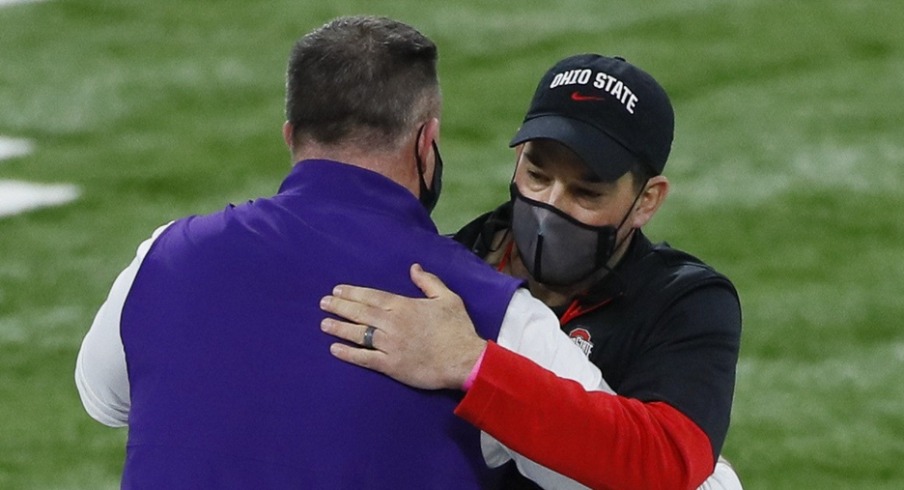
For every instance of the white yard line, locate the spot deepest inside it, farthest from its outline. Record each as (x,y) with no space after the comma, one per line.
(17,196)
(7,3)
(12,147)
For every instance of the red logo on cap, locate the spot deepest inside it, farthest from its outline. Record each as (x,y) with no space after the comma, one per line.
(579,97)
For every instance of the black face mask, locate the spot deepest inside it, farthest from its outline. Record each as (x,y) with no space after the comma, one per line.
(557,249)
(429,196)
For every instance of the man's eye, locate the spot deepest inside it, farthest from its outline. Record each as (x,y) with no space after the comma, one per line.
(536,176)
(588,194)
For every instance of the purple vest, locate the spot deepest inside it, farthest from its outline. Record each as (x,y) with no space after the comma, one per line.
(232,382)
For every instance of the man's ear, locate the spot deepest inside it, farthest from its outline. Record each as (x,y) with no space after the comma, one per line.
(424,147)
(288,133)
(653,195)
(428,136)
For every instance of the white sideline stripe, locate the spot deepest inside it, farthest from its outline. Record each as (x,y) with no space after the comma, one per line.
(6,3)
(12,148)
(17,196)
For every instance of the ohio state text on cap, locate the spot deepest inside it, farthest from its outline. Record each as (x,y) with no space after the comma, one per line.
(608,111)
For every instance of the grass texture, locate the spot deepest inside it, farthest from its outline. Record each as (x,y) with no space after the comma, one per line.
(786,172)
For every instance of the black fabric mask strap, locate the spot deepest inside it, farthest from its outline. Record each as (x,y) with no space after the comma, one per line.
(631,208)
(429,196)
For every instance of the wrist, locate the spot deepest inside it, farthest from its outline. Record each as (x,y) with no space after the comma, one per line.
(475,369)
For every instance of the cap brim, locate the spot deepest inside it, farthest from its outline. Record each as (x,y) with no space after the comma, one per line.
(606,157)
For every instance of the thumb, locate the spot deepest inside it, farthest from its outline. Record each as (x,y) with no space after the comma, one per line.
(431,285)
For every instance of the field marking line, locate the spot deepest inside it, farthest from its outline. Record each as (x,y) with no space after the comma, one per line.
(13,147)
(8,3)
(17,196)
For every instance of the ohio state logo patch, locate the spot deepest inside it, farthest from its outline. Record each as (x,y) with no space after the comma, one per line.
(581,337)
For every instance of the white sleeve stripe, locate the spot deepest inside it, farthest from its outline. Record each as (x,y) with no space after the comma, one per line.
(101,375)
(113,416)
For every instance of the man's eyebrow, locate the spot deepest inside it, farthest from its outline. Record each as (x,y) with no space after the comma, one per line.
(533,158)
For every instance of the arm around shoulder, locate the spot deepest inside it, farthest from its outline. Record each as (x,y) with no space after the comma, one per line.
(624,443)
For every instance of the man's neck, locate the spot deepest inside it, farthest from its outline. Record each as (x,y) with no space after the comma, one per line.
(389,163)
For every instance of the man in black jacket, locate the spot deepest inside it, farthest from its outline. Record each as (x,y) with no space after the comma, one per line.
(662,326)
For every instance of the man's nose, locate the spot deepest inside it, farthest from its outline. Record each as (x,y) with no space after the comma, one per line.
(556,195)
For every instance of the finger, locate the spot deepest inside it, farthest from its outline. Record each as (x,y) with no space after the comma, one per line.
(360,356)
(430,284)
(351,310)
(351,332)
(364,296)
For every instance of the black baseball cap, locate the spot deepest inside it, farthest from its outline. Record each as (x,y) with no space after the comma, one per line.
(608,111)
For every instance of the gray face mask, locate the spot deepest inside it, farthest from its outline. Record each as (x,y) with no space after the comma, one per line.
(557,249)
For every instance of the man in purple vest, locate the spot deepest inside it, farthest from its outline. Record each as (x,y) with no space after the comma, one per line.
(209,345)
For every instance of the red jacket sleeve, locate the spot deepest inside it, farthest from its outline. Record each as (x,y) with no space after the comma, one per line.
(602,440)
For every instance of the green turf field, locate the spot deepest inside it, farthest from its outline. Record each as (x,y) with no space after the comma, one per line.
(787,172)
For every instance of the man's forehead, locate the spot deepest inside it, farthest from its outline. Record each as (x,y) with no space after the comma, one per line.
(549,155)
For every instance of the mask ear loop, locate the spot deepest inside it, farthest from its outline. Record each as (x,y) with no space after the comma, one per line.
(420,163)
(610,272)
(428,197)
(625,219)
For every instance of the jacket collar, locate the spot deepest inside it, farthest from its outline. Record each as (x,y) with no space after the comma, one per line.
(352,186)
